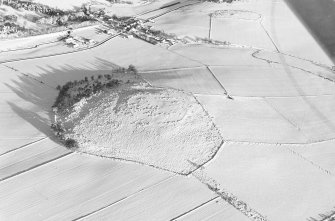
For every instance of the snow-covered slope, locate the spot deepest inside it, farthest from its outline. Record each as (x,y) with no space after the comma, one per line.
(134,121)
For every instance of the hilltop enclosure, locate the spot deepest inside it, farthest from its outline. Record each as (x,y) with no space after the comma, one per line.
(121,116)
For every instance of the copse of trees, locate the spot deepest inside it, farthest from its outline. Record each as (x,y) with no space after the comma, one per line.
(71,143)
(132,69)
(59,132)
(162,34)
(67,97)
(73,91)
(57,127)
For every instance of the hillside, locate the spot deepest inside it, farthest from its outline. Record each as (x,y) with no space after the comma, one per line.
(228,115)
(120,116)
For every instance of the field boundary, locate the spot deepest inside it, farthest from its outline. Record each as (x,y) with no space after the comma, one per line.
(35,166)
(25,145)
(124,198)
(194,209)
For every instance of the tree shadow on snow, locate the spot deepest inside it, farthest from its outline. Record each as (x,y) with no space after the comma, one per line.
(39,91)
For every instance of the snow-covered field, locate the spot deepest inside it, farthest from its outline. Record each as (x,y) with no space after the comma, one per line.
(271,81)
(277,157)
(274,180)
(73,4)
(257,120)
(69,4)
(195,80)
(46,45)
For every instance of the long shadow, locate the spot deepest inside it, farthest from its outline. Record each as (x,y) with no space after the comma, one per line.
(39,116)
(40,92)
(319,18)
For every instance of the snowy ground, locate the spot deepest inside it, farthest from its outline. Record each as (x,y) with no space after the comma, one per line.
(164,128)
(69,4)
(278,161)
(72,4)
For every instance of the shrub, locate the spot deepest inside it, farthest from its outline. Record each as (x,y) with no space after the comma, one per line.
(119,70)
(65,99)
(71,143)
(57,127)
(112,83)
(132,68)
(108,76)
(11,18)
